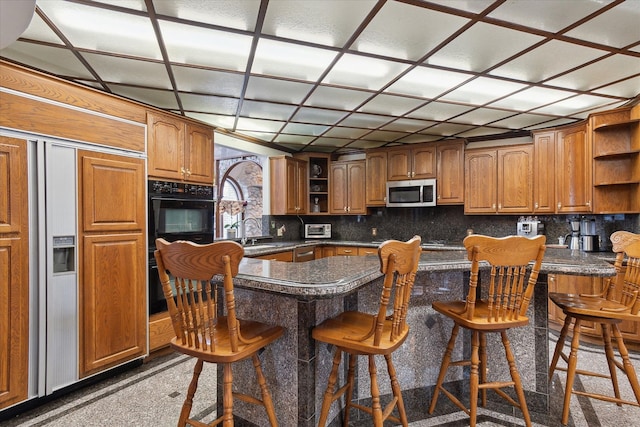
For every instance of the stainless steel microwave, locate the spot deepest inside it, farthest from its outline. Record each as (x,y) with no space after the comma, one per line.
(414,193)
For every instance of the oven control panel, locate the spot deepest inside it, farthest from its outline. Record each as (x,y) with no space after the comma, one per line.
(180,189)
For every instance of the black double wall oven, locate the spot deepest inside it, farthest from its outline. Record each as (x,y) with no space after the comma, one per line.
(177,211)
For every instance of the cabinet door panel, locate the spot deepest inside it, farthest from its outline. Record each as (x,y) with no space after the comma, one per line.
(112,191)
(515,180)
(199,154)
(424,162)
(112,301)
(480,182)
(338,196)
(165,146)
(356,188)
(398,164)
(12,179)
(573,156)
(376,185)
(450,168)
(544,173)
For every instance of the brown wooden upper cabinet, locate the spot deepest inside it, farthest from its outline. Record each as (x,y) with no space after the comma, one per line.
(573,169)
(544,173)
(347,194)
(450,173)
(178,149)
(376,182)
(411,163)
(289,185)
(499,180)
(616,160)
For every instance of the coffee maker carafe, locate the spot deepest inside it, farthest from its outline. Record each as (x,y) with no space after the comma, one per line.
(573,238)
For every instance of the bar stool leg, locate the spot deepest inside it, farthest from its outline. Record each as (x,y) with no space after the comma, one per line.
(571,371)
(351,373)
(483,367)
(375,393)
(227,395)
(626,363)
(444,366)
(613,369)
(266,396)
(397,393)
(188,401)
(559,345)
(473,378)
(515,376)
(328,394)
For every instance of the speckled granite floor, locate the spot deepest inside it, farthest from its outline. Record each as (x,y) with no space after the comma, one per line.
(152,394)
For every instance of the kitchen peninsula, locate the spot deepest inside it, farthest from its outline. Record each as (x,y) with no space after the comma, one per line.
(299,296)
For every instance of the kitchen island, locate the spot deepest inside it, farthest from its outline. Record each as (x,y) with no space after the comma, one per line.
(299,296)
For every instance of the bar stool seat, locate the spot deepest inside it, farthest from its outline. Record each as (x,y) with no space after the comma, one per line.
(608,312)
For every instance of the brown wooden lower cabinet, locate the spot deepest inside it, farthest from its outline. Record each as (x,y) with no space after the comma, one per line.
(280,256)
(160,331)
(588,285)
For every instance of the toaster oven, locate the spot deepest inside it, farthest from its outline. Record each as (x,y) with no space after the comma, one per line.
(317,231)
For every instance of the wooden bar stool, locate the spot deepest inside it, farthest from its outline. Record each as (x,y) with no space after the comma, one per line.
(357,333)
(200,332)
(608,310)
(505,307)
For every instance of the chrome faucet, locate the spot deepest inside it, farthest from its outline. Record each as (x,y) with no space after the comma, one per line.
(244,228)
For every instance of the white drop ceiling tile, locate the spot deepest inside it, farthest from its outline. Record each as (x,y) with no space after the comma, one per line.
(193,45)
(448,129)
(333,97)
(439,111)
(418,138)
(258,125)
(481,131)
(522,121)
(548,60)
(318,115)
(391,104)
(398,30)
(345,132)
(616,27)
(475,6)
(408,125)
(475,49)
(549,16)
(387,136)
(266,110)
(363,72)
(552,123)
(241,15)
(39,30)
(364,144)
(53,59)
(482,90)
(427,82)
(330,142)
(574,105)
(262,88)
(192,79)
(129,71)
(209,104)
(164,99)
(290,60)
(600,73)
(361,120)
(304,129)
(315,21)
(482,116)
(293,139)
(102,29)
(627,89)
(531,98)
(225,122)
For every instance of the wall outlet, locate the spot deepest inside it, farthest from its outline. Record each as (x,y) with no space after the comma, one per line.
(374,232)
(273,225)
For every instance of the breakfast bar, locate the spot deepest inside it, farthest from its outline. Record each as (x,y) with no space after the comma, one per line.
(299,296)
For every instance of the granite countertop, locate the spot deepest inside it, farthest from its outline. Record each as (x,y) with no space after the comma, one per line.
(339,275)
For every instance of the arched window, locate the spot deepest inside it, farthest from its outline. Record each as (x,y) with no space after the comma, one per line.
(231,191)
